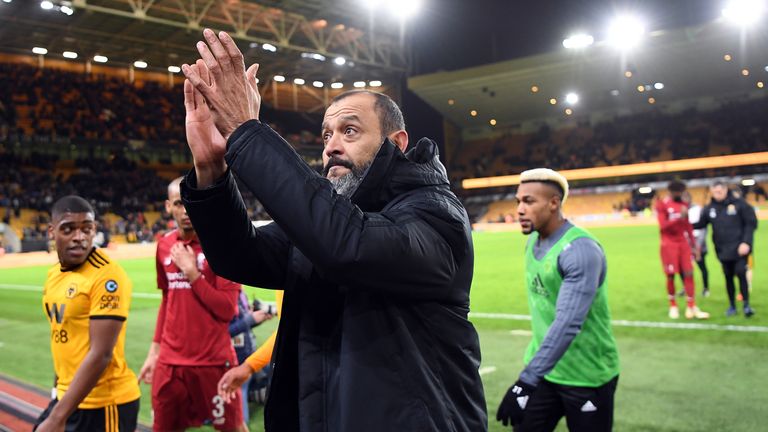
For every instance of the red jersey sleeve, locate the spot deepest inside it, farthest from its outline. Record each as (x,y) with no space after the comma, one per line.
(220,300)
(162,278)
(160,319)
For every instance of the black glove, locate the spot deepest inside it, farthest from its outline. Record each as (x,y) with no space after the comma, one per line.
(512,407)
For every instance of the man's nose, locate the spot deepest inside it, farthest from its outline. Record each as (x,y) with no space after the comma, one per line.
(334,146)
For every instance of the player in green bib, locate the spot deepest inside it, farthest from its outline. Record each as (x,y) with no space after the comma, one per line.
(572,364)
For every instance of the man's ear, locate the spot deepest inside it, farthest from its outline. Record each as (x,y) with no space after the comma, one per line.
(400,138)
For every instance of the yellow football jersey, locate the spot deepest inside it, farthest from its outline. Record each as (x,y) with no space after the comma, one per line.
(97,289)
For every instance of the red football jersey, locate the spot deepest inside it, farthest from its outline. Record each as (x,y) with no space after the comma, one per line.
(674,226)
(193,320)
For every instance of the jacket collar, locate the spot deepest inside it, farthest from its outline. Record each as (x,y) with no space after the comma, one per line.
(393,173)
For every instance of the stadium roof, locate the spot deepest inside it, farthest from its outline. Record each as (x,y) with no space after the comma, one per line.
(163,33)
(689,63)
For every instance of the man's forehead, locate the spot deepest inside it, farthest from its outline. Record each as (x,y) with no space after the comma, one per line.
(357,105)
(74,218)
(533,189)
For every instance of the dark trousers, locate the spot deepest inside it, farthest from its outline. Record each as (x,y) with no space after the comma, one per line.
(111,418)
(586,409)
(702,263)
(736,268)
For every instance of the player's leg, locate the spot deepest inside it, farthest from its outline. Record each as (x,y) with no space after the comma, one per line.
(741,272)
(702,263)
(202,385)
(544,410)
(686,270)
(589,409)
(168,389)
(729,270)
(669,262)
(128,416)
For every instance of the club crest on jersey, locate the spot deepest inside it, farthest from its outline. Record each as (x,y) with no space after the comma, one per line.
(167,261)
(731,210)
(110,286)
(712,213)
(200,261)
(71,291)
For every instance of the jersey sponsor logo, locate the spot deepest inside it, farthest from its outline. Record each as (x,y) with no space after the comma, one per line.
(71,290)
(55,312)
(537,286)
(109,301)
(177,280)
(110,286)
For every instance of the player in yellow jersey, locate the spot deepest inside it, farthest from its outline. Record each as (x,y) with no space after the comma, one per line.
(86,298)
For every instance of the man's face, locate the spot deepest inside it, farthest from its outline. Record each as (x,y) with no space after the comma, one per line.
(175,208)
(351,137)
(719,192)
(73,235)
(537,203)
(676,195)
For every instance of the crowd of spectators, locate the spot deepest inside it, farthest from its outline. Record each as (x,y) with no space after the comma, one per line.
(735,127)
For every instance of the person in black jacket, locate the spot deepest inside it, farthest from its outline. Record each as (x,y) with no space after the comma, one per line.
(733,226)
(375,258)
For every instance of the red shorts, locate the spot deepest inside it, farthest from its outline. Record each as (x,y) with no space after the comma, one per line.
(186,396)
(676,257)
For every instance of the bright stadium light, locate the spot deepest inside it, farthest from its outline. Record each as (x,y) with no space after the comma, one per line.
(269,47)
(404,9)
(572,98)
(40,50)
(748,182)
(645,190)
(174,69)
(298,81)
(100,59)
(373,4)
(374,83)
(658,86)
(66,10)
(7,1)
(46,5)
(318,84)
(69,54)
(339,61)
(579,40)
(744,12)
(140,64)
(337,85)
(359,84)
(279,78)
(313,56)
(626,31)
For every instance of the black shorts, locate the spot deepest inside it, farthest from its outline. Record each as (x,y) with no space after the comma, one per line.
(111,418)
(588,409)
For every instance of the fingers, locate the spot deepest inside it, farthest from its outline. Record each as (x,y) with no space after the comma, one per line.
(193,75)
(203,71)
(189,96)
(234,53)
(250,74)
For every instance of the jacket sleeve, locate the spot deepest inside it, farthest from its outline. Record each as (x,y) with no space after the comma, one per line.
(409,250)
(663,217)
(703,219)
(234,248)
(749,221)
(241,325)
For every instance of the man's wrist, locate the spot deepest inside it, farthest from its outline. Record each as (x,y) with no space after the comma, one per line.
(207,174)
(193,275)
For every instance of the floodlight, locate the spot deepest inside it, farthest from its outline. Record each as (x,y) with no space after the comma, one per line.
(69,54)
(279,78)
(626,31)
(174,69)
(572,98)
(337,85)
(269,47)
(404,9)
(359,84)
(374,83)
(66,10)
(46,5)
(579,40)
(318,84)
(39,50)
(645,190)
(744,12)
(340,61)
(748,182)
(658,86)
(7,1)
(298,81)
(141,64)
(100,59)
(313,56)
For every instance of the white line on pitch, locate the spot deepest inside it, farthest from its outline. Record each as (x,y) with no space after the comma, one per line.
(486,370)
(641,324)
(518,332)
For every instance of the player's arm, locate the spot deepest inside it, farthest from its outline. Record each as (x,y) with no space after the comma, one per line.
(663,217)
(220,301)
(703,219)
(147,369)
(749,221)
(424,238)
(103,334)
(582,267)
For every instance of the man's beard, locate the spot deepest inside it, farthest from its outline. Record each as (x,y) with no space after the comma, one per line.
(347,184)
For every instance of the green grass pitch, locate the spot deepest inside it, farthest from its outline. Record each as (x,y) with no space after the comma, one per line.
(672,379)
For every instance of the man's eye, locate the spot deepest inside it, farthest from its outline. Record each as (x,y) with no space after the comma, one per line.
(326,136)
(349,130)
(66,230)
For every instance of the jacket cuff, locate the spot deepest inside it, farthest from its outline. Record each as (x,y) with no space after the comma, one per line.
(242,130)
(190,192)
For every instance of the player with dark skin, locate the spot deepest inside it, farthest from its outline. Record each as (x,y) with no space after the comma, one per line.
(73,235)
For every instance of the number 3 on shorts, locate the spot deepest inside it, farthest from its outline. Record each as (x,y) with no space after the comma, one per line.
(218,410)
